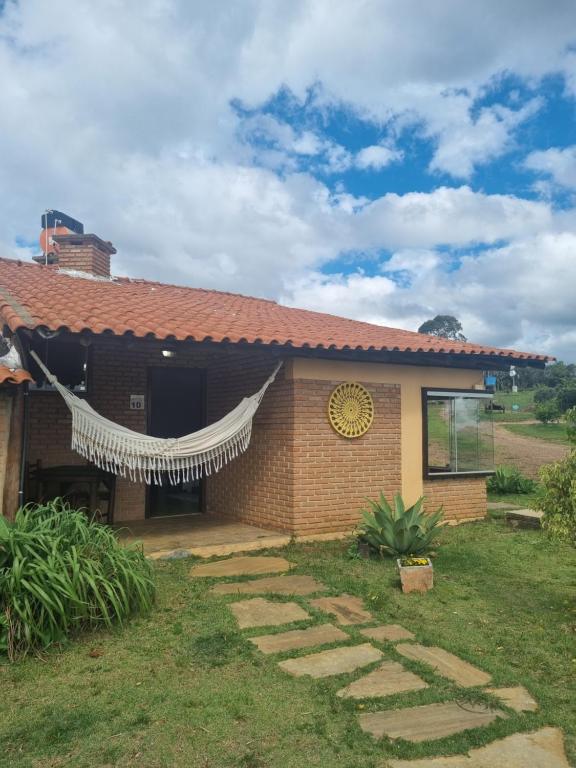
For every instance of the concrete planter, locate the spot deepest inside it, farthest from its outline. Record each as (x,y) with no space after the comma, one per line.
(416,578)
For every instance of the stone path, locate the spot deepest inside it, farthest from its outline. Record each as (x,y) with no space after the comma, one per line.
(337,661)
(389,632)
(445,664)
(263,613)
(388,679)
(429,722)
(278,585)
(516,698)
(241,566)
(321,634)
(345,609)
(543,749)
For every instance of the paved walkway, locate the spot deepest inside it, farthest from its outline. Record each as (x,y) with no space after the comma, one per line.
(379,675)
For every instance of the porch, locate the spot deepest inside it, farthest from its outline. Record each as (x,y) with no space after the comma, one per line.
(202,535)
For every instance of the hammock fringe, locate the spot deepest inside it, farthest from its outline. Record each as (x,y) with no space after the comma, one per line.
(153,460)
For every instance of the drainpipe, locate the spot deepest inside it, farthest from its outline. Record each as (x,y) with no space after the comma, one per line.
(24,448)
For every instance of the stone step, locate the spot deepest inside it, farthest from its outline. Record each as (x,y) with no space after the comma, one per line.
(299,638)
(541,749)
(241,566)
(264,613)
(346,609)
(333,662)
(389,632)
(388,679)
(445,664)
(428,722)
(279,585)
(525,518)
(516,697)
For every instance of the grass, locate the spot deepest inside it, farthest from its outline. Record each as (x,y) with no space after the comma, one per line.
(184,687)
(524,500)
(524,400)
(553,433)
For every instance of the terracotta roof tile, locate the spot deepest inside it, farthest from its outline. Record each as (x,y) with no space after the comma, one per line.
(10,376)
(34,295)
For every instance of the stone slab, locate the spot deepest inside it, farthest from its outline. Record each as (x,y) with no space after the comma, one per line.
(241,566)
(387,680)
(428,722)
(516,698)
(334,662)
(346,609)
(541,749)
(264,613)
(390,632)
(445,664)
(299,638)
(279,585)
(525,518)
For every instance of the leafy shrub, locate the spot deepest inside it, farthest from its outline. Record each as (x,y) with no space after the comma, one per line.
(61,574)
(557,497)
(566,397)
(397,530)
(570,419)
(546,412)
(544,395)
(509,480)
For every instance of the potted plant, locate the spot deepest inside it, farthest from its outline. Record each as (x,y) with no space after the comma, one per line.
(404,532)
(416,573)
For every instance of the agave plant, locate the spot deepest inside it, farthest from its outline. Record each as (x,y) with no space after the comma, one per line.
(399,530)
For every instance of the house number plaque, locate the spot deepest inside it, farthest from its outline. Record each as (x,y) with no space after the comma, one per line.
(137,402)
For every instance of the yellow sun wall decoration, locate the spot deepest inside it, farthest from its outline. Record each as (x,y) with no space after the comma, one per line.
(351,410)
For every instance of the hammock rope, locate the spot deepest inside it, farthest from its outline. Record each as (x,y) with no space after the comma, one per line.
(155,460)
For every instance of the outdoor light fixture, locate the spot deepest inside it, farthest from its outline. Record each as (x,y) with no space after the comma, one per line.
(168,353)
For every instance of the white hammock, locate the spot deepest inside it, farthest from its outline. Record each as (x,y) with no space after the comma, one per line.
(148,459)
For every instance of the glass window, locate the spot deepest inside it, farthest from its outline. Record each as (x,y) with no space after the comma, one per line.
(67,360)
(458,433)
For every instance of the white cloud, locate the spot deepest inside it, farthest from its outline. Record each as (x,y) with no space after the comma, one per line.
(376,157)
(559,164)
(120,113)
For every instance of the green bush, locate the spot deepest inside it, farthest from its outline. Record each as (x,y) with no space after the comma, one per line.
(544,394)
(570,419)
(566,397)
(397,530)
(509,480)
(557,497)
(61,574)
(548,411)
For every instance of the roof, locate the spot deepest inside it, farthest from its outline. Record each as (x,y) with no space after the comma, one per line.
(13,376)
(33,295)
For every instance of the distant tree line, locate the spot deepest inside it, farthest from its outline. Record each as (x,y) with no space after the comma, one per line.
(555,385)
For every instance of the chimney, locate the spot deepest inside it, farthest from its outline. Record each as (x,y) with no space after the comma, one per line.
(64,243)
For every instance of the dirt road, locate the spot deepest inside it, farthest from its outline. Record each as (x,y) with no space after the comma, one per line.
(526,453)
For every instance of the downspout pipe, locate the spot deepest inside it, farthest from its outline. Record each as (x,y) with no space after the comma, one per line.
(24,446)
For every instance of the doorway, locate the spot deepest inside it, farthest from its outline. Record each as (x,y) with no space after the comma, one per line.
(177,406)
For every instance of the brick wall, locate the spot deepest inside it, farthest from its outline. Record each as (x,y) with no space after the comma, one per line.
(119,369)
(332,474)
(463,498)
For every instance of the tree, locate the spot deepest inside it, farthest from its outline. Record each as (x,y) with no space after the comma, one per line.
(446,326)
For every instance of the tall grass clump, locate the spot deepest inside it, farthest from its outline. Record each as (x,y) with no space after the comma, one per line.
(61,574)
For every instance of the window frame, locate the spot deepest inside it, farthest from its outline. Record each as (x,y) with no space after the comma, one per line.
(448,391)
(49,389)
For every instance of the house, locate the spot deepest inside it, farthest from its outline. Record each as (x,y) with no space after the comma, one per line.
(166,360)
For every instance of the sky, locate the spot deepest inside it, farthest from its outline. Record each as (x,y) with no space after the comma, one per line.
(385,160)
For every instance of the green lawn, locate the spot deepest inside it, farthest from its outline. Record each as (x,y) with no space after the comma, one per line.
(553,433)
(524,500)
(524,400)
(184,687)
